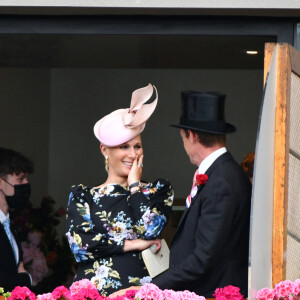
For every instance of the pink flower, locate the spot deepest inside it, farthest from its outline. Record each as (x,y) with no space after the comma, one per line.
(84,289)
(283,289)
(118,298)
(149,292)
(265,294)
(229,292)
(61,292)
(187,295)
(130,294)
(170,295)
(184,295)
(22,293)
(34,238)
(296,288)
(28,252)
(38,266)
(78,285)
(47,296)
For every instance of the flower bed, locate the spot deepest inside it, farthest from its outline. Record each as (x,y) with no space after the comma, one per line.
(86,290)
(284,290)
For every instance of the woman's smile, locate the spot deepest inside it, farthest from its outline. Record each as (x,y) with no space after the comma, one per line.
(128,164)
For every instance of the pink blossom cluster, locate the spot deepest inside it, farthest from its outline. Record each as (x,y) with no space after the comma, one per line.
(21,293)
(32,255)
(79,290)
(84,289)
(61,292)
(284,290)
(229,292)
(150,292)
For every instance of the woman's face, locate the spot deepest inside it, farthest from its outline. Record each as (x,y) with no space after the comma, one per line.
(120,158)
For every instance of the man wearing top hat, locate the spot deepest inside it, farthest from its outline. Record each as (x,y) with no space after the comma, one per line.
(210,247)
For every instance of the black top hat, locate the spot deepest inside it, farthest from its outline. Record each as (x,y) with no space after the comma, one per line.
(204,111)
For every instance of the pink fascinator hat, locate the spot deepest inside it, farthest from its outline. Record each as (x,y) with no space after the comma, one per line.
(124,124)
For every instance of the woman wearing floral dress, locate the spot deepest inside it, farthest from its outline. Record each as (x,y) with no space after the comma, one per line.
(109,225)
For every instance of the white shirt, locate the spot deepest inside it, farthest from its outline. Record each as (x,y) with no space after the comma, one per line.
(209,160)
(3,217)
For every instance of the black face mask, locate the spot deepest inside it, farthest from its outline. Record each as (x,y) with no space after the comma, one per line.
(20,197)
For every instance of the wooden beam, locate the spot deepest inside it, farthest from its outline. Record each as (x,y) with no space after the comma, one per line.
(269,49)
(281,164)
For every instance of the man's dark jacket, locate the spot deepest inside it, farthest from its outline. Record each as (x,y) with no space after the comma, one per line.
(210,247)
(9,276)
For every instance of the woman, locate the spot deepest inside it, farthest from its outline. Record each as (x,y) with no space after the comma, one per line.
(110,224)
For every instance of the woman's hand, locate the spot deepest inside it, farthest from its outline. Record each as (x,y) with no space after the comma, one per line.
(140,244)
(136,170)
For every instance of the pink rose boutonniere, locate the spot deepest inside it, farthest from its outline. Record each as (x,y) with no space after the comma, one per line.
(201,179)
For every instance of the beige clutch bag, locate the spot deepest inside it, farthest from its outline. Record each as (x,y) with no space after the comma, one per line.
(157,263)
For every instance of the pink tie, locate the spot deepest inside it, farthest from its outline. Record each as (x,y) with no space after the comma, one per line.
(193,190)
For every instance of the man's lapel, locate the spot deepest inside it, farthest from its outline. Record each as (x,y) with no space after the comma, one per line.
(186,211)
(218,161)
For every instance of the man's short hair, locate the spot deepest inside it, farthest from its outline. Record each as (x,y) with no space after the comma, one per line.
(208,139)
(14,162)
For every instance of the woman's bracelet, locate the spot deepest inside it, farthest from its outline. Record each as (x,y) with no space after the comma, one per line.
(137,183)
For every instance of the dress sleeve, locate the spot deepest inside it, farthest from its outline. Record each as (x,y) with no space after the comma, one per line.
(151,208)
(84,240)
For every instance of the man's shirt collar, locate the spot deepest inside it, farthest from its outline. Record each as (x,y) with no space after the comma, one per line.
(3,216)
(209,160)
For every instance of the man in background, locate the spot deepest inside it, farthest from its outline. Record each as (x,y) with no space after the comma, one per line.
(14,193)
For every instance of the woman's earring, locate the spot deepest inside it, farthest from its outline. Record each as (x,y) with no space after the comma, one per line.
(106,163)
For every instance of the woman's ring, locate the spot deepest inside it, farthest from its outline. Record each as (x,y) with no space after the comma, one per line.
(140,164)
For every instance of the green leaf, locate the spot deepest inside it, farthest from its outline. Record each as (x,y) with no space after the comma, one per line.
(113,273)
(96,265)
(135,280)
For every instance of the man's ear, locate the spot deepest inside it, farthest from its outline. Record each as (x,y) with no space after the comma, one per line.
(193,136)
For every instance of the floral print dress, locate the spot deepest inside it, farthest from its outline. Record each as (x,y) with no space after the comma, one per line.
(100,219)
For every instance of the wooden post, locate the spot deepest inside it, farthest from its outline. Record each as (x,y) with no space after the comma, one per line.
(269,48)
(281,164)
